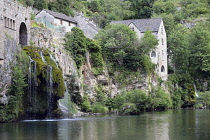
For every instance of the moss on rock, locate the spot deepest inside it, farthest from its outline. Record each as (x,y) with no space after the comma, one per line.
(42,72)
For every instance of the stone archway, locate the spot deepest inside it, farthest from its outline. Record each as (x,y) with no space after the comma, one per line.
(23,35)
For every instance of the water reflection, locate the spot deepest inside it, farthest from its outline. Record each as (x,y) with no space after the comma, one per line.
(167,125)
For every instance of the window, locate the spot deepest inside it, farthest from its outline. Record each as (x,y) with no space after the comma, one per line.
(132,28)
(162,69)
(10,23)
(162,55)
(14,24)
(61,22)
(161,29)
(69,23)
(5,21)
(153,54)
(162,41)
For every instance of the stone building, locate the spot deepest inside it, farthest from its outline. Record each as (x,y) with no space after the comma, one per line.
(55,20)
(159,54)
(14,23)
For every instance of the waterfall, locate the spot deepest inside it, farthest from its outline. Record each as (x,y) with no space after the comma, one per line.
(51,57)
(196,93)
(49,91)
(65,104)
(32,86)
(42,57)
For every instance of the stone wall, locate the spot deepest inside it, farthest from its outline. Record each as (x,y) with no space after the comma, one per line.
(11,16)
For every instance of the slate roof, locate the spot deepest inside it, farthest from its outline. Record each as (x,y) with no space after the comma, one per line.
(60,16)
(151,24)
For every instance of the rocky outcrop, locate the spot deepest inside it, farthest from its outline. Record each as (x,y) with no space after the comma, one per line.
(83,81)
(10,51)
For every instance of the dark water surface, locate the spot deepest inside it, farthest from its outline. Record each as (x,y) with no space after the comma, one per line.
(166,125)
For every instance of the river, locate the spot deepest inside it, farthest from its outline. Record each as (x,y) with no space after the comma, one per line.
(166,125)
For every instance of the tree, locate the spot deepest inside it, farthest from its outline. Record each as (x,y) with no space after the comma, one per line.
(141,8)
(160,7)
(122,48)
(204,98)
(178,50)
(40,4)
(115,38)
(199,47)
(76,44)
(62,6)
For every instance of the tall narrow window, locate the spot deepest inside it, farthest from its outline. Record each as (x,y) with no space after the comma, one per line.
(162,55)
(5,21)
(162,41)
(69,23)
(161,29)
(14,24)
(162,69)
(11,23)
(61,22)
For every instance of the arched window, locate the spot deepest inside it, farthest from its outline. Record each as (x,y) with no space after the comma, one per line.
(153,54)
(162,69)
(23,35)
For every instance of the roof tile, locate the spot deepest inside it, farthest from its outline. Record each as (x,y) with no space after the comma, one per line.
(152,24)
(60,16)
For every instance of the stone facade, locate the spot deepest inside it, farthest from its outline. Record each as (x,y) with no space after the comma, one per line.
(14,23)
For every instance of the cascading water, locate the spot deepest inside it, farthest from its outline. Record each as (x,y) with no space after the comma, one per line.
(65,104)
(196,93)
(51,57)
(49,91)
(32,87)
(42,57)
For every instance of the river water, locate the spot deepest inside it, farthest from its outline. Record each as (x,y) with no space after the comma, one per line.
(165,125)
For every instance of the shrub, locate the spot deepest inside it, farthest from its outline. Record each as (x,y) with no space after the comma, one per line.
(128,109)
(99,108)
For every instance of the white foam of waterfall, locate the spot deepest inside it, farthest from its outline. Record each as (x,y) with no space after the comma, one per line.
(65,104)
(49,90)
(32,89)
(196,93)
(51,57)
(41,54)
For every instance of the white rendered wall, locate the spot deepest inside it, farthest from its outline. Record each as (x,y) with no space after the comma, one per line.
(56,21)
(162,51)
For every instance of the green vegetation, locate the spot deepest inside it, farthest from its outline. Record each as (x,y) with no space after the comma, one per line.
(78,45)
(187,24)
(130,102)
(203,99)
(15,107)
(34,53)
(121,48)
